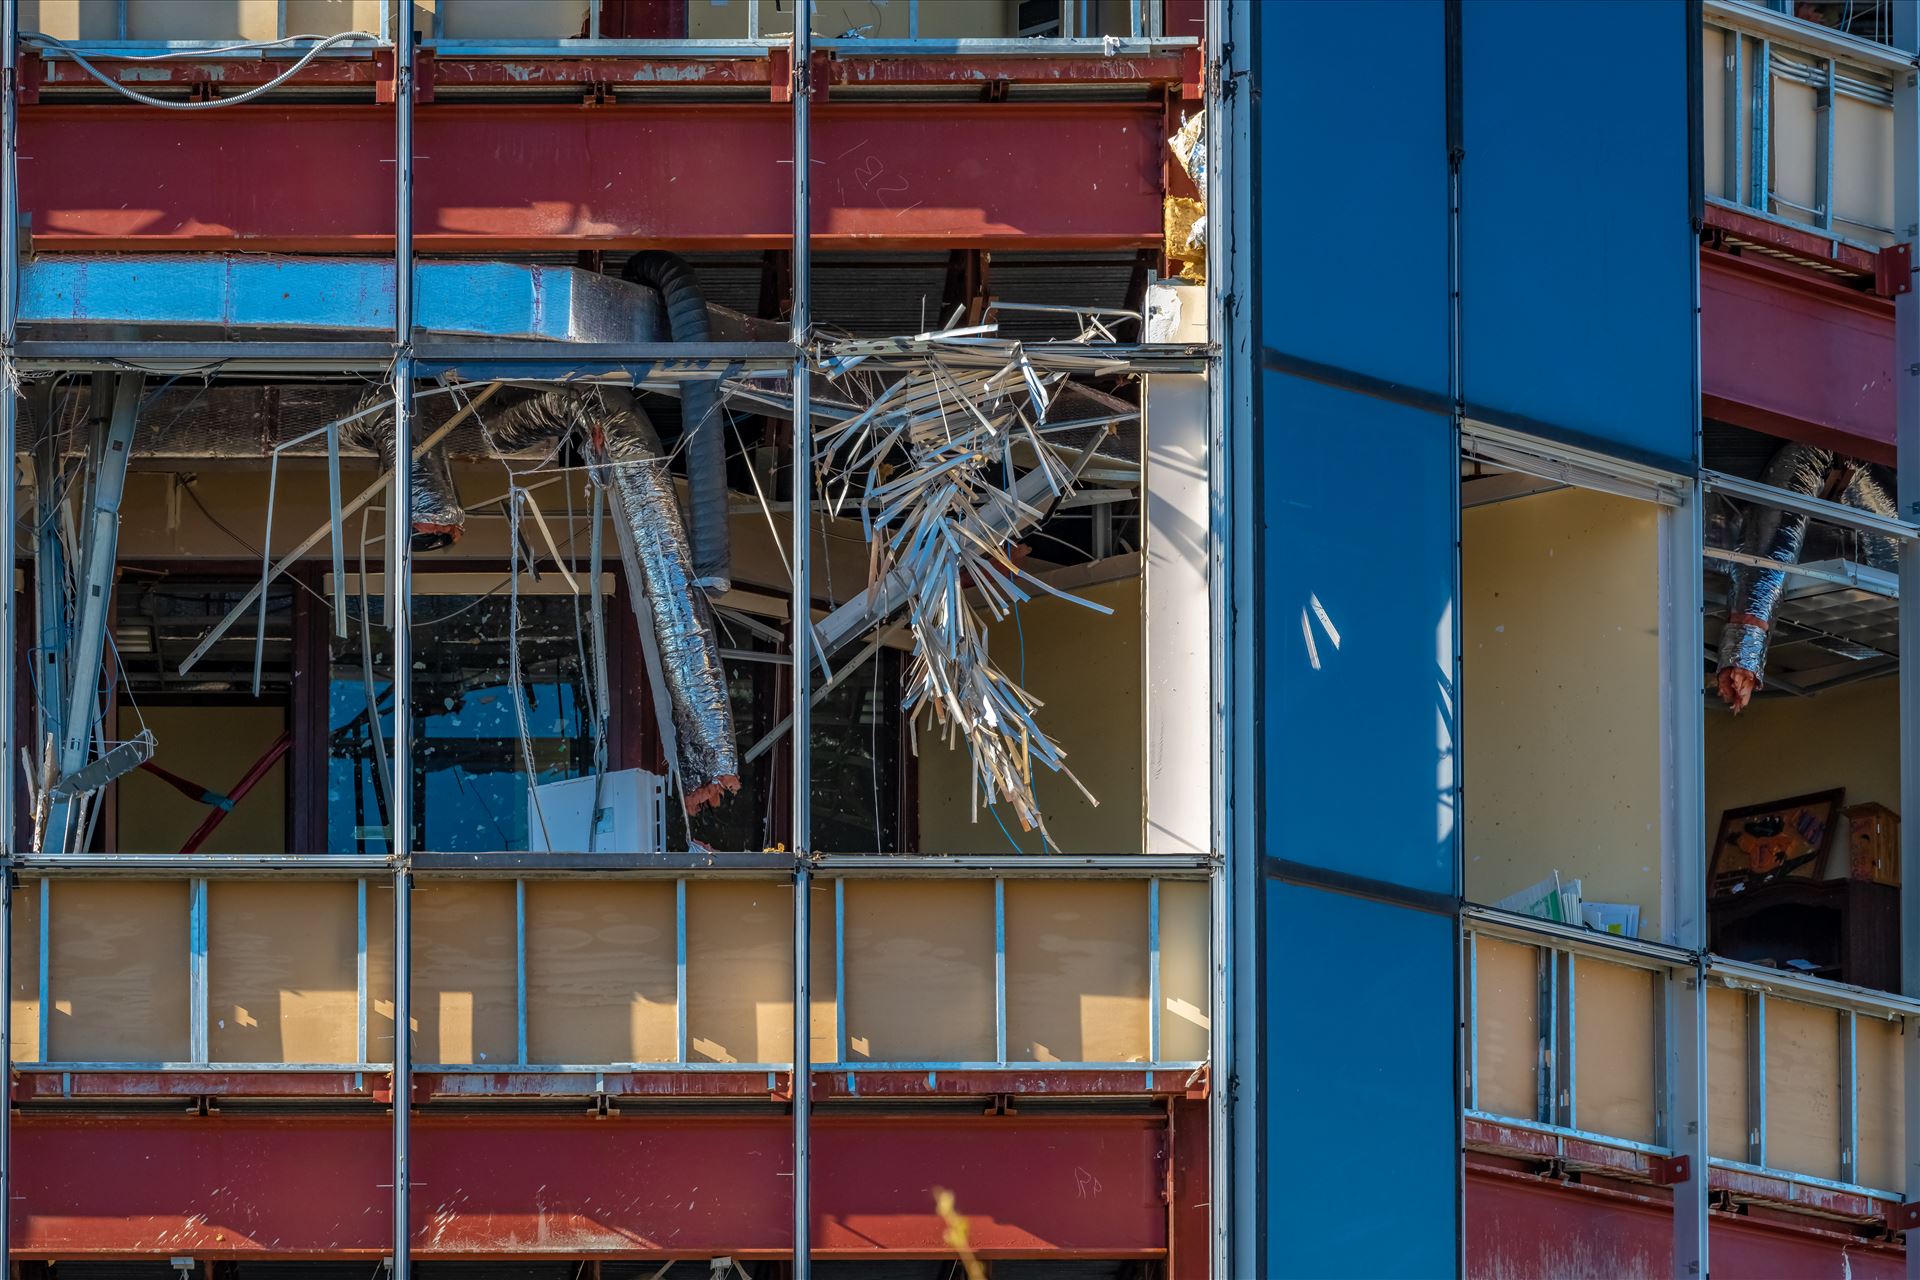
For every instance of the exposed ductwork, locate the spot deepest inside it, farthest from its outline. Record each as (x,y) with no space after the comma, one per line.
(1780,536)
(705,436)
(668,603)
(437,516)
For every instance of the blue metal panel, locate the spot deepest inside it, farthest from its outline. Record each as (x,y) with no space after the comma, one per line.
(1576,242)
(1360,1079)
(1351,201)
(1359,497)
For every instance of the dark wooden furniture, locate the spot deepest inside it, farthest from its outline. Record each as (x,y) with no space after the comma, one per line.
(1849,929)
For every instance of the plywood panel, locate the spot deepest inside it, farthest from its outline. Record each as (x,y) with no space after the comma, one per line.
(119,971)
(1077,971)
(1726,1073)
(25,996)
(213,746)
(1713,67)
(1536,573)
(1803,1088)
(1862,169)
(1186,966)
(1614,1012)
(1882,1107)
(283,971)
(464,973)
(525,20)
(1792,130)
(821,1023)
(1507,1025)
(602,971)
(70,19)
(920,971)
(380,972)
(202,19)
(739,971)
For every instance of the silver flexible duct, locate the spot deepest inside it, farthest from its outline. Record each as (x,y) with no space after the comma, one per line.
(1780,536)
(438,517)
(668,603)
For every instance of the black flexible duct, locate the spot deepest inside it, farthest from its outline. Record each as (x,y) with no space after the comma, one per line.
(706,440)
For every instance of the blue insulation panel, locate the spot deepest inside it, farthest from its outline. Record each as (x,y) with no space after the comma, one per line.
(1358,594)
(1576,247)
(1352,201)
(1360,1078)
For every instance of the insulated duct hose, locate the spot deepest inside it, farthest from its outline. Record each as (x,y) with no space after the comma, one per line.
(620,444)
(706,437)
(1780,536)
(438,518)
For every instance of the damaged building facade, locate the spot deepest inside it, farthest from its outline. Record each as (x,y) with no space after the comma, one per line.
(965,637)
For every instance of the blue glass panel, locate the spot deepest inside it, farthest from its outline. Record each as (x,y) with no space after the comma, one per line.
(1351,188)
(1358,594)
(1360,1076)
(1576,245)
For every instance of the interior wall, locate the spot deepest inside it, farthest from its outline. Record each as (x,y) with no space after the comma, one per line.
(1779,747)
(1077,971)
(1560,690)
(283,970)
(1085,668)
(212,745)
(118,971)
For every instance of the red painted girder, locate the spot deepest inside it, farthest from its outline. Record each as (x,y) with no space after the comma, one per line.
(975,1084)
(637,1185)
(1523,1225)
(1789,354)
(1810,244)
(497,178)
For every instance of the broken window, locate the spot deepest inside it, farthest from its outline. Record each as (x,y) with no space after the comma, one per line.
(1801,591)
(1560,711)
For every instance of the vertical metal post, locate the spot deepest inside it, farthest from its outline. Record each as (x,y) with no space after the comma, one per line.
(1849,1096)
(400,584)
(1906,338)
(1757,1079)
(1761,128)
(1000,970)
(1823,149)
(9,411)
(360,972)
(840,971)
(679,970)
(1153,970)
(1471,1015)
(520,971)
(1234,1116)
(198,1011)
(1546,993)
(913,19)
(46,968)
(1731,99)
(800,614)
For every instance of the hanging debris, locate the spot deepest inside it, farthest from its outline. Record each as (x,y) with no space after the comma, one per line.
(950,463)
(1186,218)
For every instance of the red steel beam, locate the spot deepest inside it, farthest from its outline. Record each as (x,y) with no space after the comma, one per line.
(1784,352)
(642,1184)
(506,178)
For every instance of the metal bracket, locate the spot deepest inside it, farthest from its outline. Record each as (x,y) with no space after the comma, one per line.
(602,1107)
(1001,1105)
(1200,1084)
(1903,1217)
(1893,270)
(1667,1171)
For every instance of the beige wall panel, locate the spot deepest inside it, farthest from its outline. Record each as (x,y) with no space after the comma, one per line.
(328,17)
(887,20)
(70,19)
(1726,1073)
(1803,1088)
(1186,970)
(1847,737)
(380,972)
(822,1038)
(283,971)
(203,19)
(1862,168)
(739,971)
(1506,1003)
(513,19)
(920,970)
(24,1026)
(1883,1110)
(1560,626)
(602,969)
(1615,1040)
(464,972)
(1791,131)
(119,971)
(1077,971)
(214,746)
(1086,668)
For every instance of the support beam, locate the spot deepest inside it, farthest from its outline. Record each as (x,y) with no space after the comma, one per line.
(800,615)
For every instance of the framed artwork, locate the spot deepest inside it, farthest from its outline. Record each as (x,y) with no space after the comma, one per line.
(1762,842)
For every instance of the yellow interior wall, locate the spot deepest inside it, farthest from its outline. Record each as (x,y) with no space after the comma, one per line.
(282,970)
(1085,668)
(213,746)
(884,20)
(1560,721)
(1778,747)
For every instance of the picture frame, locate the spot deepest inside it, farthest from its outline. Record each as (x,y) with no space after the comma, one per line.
(1758,843)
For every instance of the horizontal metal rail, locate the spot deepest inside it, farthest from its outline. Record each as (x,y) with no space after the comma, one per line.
(1770,24)
(1835,513)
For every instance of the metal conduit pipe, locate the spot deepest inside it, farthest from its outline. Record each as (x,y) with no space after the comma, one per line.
(621,446)
(1780,536)
(706,441)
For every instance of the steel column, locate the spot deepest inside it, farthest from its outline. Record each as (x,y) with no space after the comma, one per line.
(399,618)
(9,409)
(800,612)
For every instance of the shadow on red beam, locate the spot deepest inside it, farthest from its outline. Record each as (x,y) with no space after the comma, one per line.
(45,1086)
(499,178)
(570,1186)
(829,1084)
